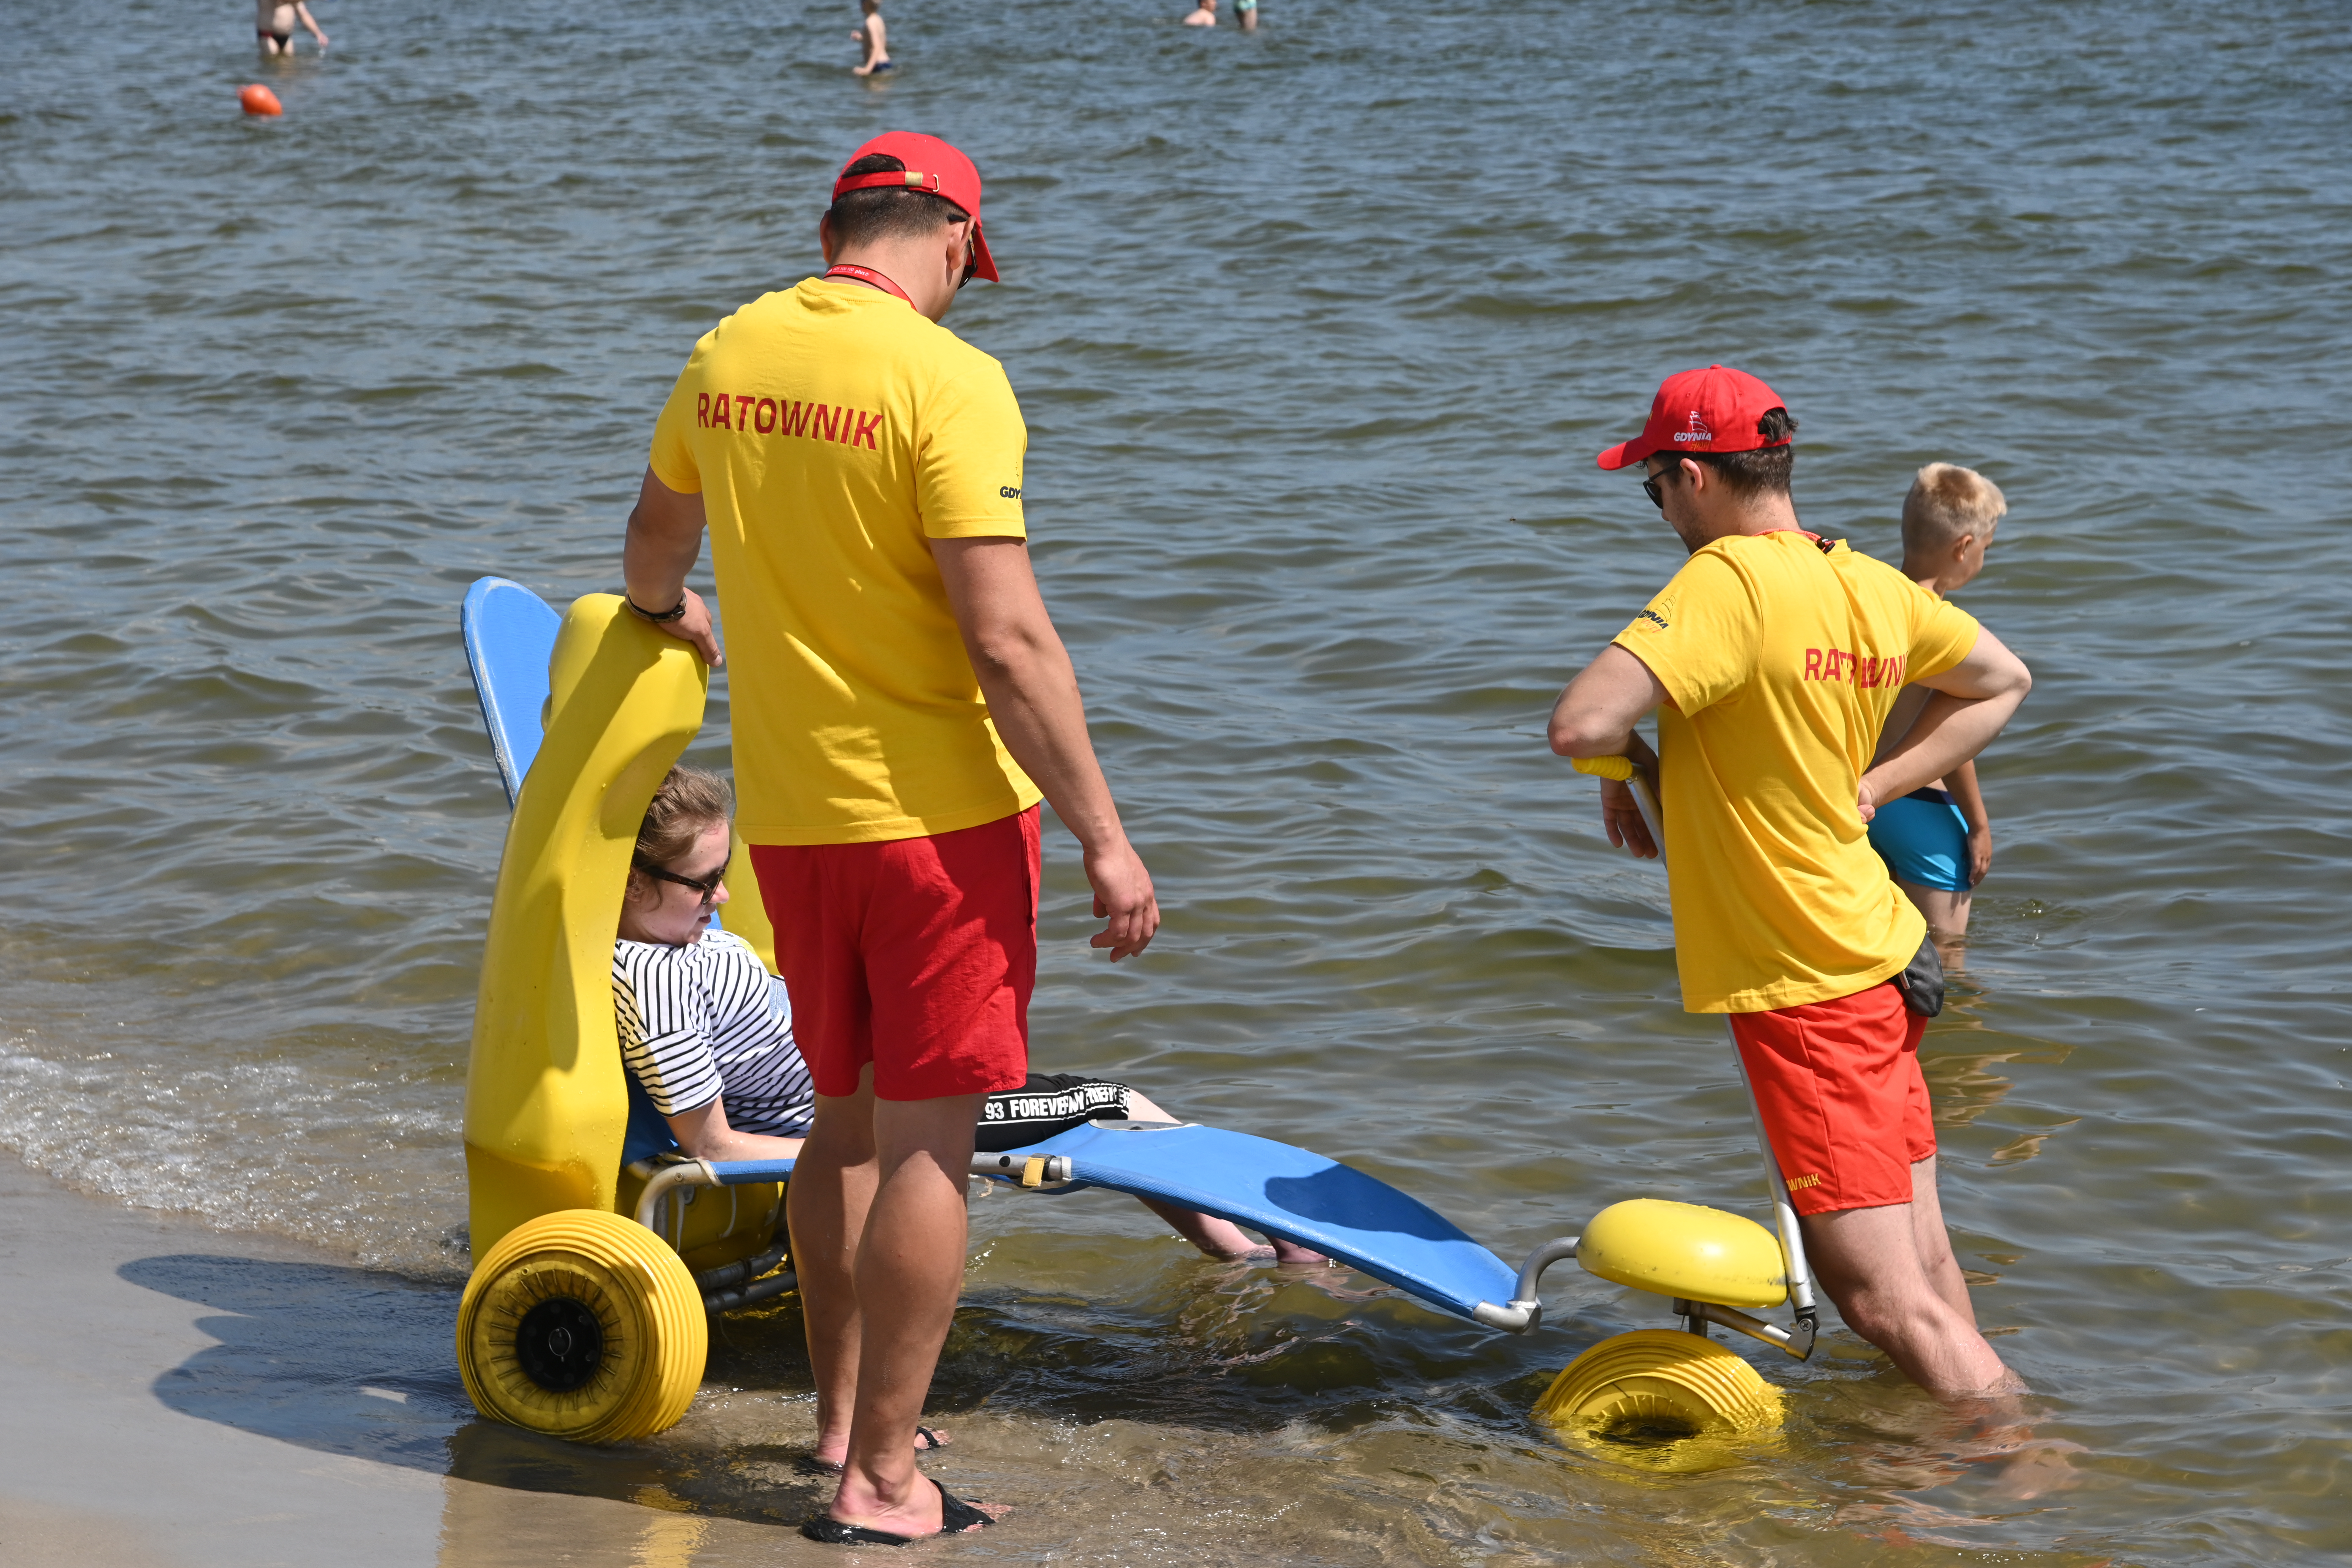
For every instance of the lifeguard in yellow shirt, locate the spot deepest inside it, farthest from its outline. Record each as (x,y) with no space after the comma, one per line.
(1771,660)
(902,703)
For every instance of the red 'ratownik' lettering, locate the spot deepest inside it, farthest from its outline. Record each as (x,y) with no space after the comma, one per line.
(781,416)
(1862,669)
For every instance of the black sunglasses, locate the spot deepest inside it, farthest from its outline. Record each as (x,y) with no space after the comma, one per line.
(706,886)
(1650,486)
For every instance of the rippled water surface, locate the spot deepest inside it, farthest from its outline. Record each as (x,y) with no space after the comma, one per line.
(1317,331)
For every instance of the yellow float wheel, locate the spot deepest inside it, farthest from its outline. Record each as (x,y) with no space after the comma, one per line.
(1659,1385)
(582,1325)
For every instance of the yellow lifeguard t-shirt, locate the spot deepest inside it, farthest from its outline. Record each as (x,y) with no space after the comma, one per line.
(831,430)
(1781,659)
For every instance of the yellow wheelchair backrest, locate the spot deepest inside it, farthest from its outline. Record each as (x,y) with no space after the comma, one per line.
(546,1105)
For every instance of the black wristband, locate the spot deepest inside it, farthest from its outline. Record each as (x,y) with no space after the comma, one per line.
(673,613)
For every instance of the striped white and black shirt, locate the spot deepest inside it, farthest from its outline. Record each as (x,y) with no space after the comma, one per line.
(704,1021)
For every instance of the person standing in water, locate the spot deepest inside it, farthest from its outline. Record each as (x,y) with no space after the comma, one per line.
(273,26)
(1936,841)
(1771,660)
(902,701)
(709,1035)
(874,37)
(1204,15)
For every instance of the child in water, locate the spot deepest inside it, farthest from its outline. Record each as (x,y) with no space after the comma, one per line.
(876,38)
(1937,841)
(708,1033)
(1202,15)
(273,26)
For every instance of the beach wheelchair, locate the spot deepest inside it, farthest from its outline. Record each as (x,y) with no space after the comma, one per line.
(601,1250)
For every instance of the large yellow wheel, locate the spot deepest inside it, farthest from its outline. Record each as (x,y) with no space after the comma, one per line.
(1661,1383)
(582,1325)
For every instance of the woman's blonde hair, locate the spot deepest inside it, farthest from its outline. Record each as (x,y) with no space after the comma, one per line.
(683,810)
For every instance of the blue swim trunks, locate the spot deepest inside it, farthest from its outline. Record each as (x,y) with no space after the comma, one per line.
(1924,840)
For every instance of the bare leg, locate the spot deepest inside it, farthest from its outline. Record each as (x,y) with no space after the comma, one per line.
(905,1273)
(1946,910)
(1223,1239)
(1140,1109)
(831,1195)
(1869,1262)
(1934,1242)
(1217,1237)
(909,1273)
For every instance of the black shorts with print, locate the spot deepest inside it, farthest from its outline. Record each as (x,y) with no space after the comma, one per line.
(1048,1104)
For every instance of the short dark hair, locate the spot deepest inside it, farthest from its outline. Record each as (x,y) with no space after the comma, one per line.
(861,217)
(1763,472)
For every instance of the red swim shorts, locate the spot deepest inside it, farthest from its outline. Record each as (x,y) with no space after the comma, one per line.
(917,955)
(1843,1099)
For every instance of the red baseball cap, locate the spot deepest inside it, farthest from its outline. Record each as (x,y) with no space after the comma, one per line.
(1711,410)
(931,165)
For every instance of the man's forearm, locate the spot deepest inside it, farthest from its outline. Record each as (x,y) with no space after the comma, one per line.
(1032,696)
(1949,731)
(653,564)
(1962,783)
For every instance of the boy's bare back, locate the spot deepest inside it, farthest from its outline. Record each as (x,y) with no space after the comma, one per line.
(875,36)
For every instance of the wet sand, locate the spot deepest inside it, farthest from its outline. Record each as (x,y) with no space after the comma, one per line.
(180,1397)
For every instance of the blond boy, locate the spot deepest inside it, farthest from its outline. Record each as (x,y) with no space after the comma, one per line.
(1937,841)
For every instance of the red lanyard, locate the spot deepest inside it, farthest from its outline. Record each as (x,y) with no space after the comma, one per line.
(867,275)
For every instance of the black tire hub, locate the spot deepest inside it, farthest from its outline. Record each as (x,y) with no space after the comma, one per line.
(558,1343)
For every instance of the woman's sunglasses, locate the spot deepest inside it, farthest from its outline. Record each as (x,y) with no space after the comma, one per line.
(706,886)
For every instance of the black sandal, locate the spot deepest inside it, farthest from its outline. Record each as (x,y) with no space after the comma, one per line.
(956,1518)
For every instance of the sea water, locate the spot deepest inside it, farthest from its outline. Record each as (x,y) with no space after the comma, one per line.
(1317,331)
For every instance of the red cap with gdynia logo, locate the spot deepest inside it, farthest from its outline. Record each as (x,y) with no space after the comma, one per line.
(931,165)
(1717,409)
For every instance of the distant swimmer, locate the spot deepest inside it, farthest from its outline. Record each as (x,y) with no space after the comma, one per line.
(1937,839)
(1206,17)
(273,26)
(874,35)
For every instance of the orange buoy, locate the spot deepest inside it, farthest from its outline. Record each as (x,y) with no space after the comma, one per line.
(259,100)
